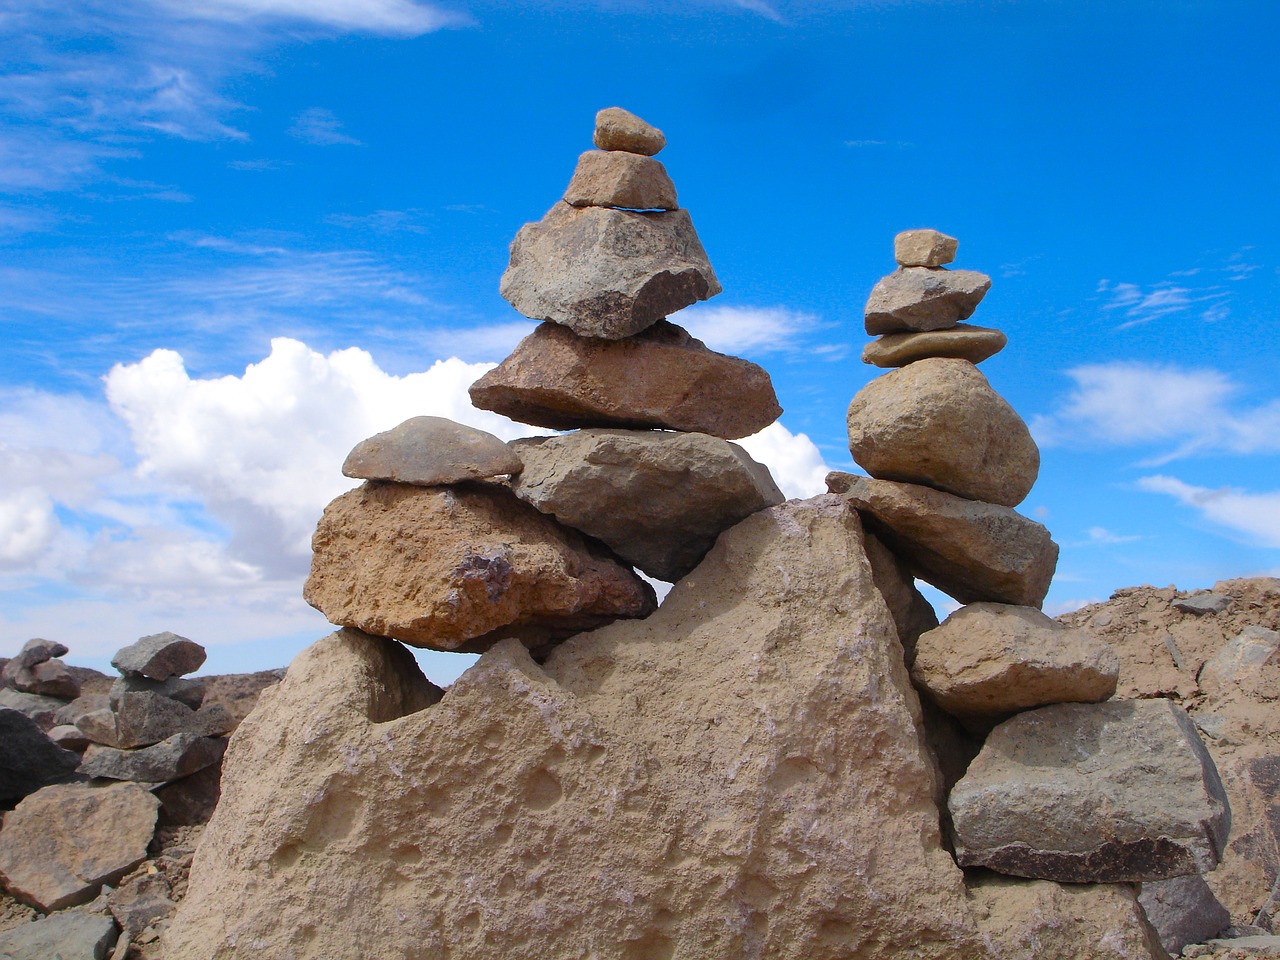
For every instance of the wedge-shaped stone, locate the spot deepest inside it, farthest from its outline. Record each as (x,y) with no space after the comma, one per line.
(969,550)
(924,248)
(921,298)
(938,423)
(618,179)
(29,760)
(179,756)
(618,129)
(461,568)
(160,656)
(658,500)
(1093,793)
(430,451)
(961,342)
(607,273)
(992,659)
(662,378)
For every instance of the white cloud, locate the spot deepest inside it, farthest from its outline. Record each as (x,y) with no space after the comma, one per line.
(737,330)
(322,128)
(395,17)
(488,342)
(793,459)
(1256,515)
(1103,537)
(380,221)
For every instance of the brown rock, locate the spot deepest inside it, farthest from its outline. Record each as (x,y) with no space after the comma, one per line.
(430,451)
(969,550)
(159,656)
(607,273)
(35,670)
(920,298)
(99,726)
(1182,911)
(938,423)
(618,129)
(662,378)
(617,179)
(961,342)
(140,902)
(191,799)
(461,568)
(61,844)
(912,614)
(924,248)
(69,737)
(658,500)
(85,703)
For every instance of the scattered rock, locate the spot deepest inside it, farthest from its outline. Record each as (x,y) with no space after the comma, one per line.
(70,935)
(617,179)
(1241,659)
(160,656)
(179,756)
(1086,793)
(961,342)
(43,710)
(920,298)
(29,760)
(662,378)
(141,901)
(428,451)
(69,713)
(924,248)
(618,129)
(1202,603)
(1183,910)
(937,422)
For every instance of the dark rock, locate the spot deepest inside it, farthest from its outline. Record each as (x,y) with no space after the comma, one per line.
(1202,603)
(1183,910)
(190,692)
(178,756)
(43,710)
(29,760)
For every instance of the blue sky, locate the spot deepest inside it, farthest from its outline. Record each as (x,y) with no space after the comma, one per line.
(236,236)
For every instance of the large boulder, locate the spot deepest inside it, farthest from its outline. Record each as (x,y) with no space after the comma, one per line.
(969,550)
(159,656)
(740,774)
(458,568)
(658,500)
(660,378)
(924,298)
(937,422)
(1096,792)
(29,760)
(429,451)
(962,342)
(607,273)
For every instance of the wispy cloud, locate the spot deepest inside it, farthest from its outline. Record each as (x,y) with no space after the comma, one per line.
(1256,516)
(1140,305)
(1101,536)
(759,330)
(258,166)
(321,128)
(893,144)
(380,221)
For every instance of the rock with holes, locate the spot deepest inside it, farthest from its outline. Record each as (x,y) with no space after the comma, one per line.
(618,129)
(159,656)
(430,451)
(961,342)
(459,568)
(742,774)
(619,179)
(924,298)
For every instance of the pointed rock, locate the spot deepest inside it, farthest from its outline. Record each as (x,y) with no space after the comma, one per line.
(924,248)
(430,451)
(36,670)
(618,129)
(617,179)
(923,298)
(962,342)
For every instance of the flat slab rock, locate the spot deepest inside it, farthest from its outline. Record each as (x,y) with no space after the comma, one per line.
(924,298)
(660,378)
(1087,793)
(69,935)
(459,568)
(430,451)
(969,550)
(658,500)
(961,342)
(178,756)
(607,273)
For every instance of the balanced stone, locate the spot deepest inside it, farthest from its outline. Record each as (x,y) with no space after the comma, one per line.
(159,656)
(607,273)
(660,378)
(963,342)
(938,423)
(190,692)
(1093,793)
(179,756)
(924,248)
(924,298)
(35,670)
(618,129)
(428,451)
(617,179)
(658,500)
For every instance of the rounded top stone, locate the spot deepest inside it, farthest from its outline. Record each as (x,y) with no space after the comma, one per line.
(618,129)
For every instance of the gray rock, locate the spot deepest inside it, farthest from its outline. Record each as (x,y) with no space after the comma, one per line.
(924,248)
(1202,603)
(160,656)
(961,342)
(1183,910)
(191,799)
(969,550)
(923,298)
(34,670)
(144,718)
(1093,793)
(618,129)
(1241,658)
(100,727)
(85,703)
(618,179)
(658,500)
(68,935)
(29,760)
(43,710)
(179,756)
(607,273)
(189,692)
(430,451)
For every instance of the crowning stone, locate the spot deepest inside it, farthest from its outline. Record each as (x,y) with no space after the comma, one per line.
(924,248)
(617,179)
(618,129)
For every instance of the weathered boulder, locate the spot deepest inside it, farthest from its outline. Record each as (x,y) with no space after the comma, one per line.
(189,692)
(179,756)
(69,935)
(99,726)
(29,760)
(428,451)
(740,774)
(460,568)
(661,377)
(658,500)
(43,710)
(1183,910)
(618,129)
(924,248)
(159,656)
(1098,792)
(987,660)
(61,844)
(618,179)
(923,298)
(961,342)
(607,273)
(938,423)
(969,550)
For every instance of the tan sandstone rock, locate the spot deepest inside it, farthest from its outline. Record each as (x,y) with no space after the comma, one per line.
(937,422)
(618,179)
(740,774)
(924,248)
(429,451)
(969,550)
(961,342)
(458,568)
(924,298)
(618,129)
(662,378)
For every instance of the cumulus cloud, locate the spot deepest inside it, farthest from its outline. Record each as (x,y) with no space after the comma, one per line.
(1255,515)
(793,459)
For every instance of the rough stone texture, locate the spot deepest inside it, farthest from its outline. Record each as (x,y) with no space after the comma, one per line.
(238,692)
(85,703)
(68,737)
(961,342)
(618,179)
(920,298)
(1183,910)
(1021,920)
(740,774)
(160,656)
(658,500)
(192,799)
(1203,603)
(1097,792)
(189,692)
(179,756)
(1240,661)
(618,129)
(100,727)
(428,451)
(937,422)
(924,248)
(71,935)
(144,718)
(43,710)
(662,377)
(912,613)
(460,568)
(969,550)
(29,760)
(140,902)
(607,273)
(991,659)
(34,670)
(60,845)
